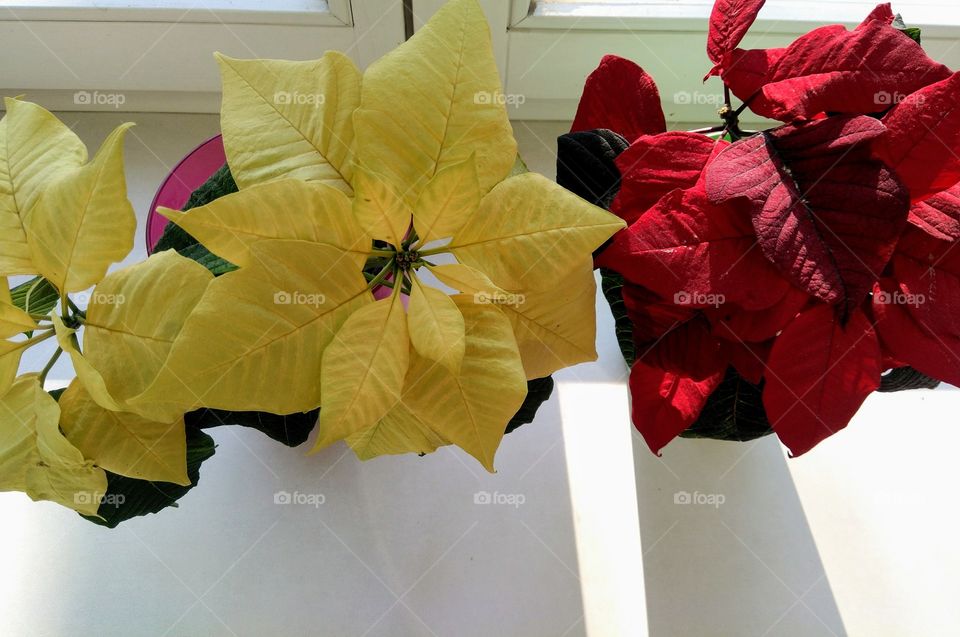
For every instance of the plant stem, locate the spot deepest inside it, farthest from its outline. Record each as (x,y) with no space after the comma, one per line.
(49,365)
(73,307)
(26,300)
(384,273)
(383,253)
(432,251)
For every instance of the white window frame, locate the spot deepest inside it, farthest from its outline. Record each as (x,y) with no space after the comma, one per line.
(160,58)
(550,51)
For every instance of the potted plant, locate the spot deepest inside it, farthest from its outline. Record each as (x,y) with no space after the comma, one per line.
(385,258)
(770,280)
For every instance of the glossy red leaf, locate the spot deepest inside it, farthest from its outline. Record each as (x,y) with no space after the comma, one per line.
(654,165)
(622,97)
(827,213)
(697,254)
(819,373)
(832,70)
(760,325)
(939,216)
(664,405)
(908,338)
(729,22)
(924,138)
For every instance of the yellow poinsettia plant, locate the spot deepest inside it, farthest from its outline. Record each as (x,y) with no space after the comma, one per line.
(397,265)
(64,221)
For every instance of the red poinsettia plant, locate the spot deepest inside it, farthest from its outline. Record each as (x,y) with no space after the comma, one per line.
(811,257)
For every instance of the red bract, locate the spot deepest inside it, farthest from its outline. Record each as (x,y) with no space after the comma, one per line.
(620,96)
(812,396)
(922,303)
(753,261)
(826,213)
(654,165)
(939,216)
(729,22)
(665,404)
(924,137)
(697,253)
(689,349)
(832,70)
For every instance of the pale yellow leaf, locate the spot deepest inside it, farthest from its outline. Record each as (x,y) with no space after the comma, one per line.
(399,431)
(471,410)
(134,316)
(283,209)
(447,202)
(9,363)
(467,280)
(433,102)
(555,328)
(529,233)
(83,222)
(91,378)
(255,340)
(380,210)
(124,443)
(363,370)
(436,326)
(35,457)
(290,119)
(35,149)
(13,320)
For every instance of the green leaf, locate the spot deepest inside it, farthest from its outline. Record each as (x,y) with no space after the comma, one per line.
(912,32)
(733,412)
(291,430)
(612,285)
(43,296)
(128,498)
(539,391)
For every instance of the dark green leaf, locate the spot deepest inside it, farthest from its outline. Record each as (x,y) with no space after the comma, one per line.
(612,285)
(912,32)
(128,498)
(538,391)
(733,412)
(291,430)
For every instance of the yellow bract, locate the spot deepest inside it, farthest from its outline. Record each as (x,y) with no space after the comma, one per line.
(433,102)
(282,311)
(35,149)
(433,144)
(363,369)
(290,119)
(284,209)
(69,222)
(35,457)
(124,443)
(83,222)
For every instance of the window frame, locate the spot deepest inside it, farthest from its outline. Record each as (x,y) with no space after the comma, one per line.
(160,58)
